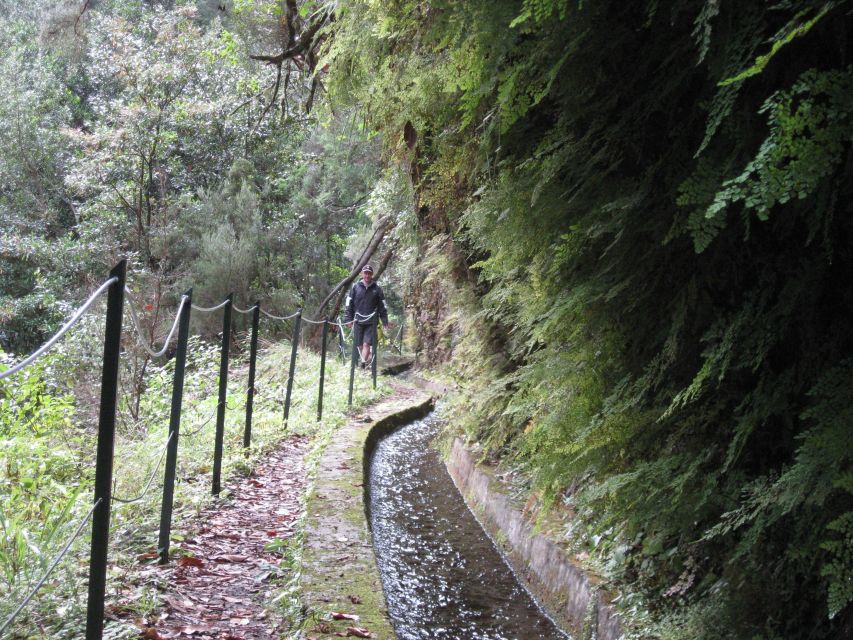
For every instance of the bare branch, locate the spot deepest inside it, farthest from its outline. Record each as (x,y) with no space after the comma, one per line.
(340,288)
(247,101)
(303,45)
(83,10)
(386,258)
(271,102)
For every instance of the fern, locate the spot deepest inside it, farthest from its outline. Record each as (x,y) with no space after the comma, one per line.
(744,42)
(702,28)
(839,569)
(810,126)
(648,273)
(797,27)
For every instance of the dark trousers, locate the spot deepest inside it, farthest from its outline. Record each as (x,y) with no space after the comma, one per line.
(364,333)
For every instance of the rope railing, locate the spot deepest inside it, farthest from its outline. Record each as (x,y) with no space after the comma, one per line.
(103,498)
(342,339)
(360,317)
(244,311)
(50,569)
(397,341)
(210,309)
(274,317)
(141,496)
(140,339)
(62,331)
(199,428)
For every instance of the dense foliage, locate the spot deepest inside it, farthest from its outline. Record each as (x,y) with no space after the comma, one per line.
(145,131)
(630,238)
(655,200)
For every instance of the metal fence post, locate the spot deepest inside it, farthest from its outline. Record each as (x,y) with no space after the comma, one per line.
(322,368)
(104,464)
(223,393)
(294,344)
(375,347)
(355,355)
(250,392)
(174,431)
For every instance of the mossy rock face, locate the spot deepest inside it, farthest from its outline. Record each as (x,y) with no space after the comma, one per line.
(339,572)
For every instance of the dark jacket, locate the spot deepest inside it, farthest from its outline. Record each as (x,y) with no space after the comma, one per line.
(362,301)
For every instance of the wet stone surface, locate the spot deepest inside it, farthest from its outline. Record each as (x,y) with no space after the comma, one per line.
(443,577)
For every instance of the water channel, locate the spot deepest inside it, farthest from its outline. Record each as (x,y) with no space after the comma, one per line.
(442,575)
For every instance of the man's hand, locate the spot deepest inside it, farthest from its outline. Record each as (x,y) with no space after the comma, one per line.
(349,325)
(387,326)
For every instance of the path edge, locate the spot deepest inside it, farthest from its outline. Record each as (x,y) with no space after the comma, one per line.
(357,439)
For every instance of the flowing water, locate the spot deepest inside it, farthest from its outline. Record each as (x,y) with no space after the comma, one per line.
(443,576)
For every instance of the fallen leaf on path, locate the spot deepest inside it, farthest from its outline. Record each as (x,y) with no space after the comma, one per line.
(229,536)
(338,615)
(194,629)
(189,561)
(180,605)
(215,588)
(359,632)
(355,599)
(228,557)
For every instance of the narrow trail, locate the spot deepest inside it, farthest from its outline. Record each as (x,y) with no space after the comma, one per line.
(220,582)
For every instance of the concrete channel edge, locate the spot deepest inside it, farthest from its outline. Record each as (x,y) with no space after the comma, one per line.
(570,594)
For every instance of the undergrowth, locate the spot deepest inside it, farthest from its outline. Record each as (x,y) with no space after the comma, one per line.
(48,441)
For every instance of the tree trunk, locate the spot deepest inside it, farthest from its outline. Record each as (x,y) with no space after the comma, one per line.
(340,288)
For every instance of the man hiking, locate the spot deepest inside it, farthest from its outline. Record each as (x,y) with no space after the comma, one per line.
(364,301)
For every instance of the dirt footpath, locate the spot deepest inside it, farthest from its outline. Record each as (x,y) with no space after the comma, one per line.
(221,581)
(219,585)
